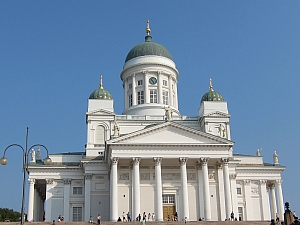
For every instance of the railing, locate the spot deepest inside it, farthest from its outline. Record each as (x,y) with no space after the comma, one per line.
(159,118)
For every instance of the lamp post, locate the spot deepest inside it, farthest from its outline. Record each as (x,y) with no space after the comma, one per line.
(4,161)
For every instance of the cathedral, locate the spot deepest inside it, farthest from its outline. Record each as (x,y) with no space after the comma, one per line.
(153,160)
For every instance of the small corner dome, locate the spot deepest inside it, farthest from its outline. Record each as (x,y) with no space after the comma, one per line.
(100,93)
(212,95)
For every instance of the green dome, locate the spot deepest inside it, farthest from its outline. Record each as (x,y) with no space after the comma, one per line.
(100,93)
(148,48)
(212,95)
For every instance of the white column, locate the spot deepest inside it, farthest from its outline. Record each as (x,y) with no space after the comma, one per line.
(228,207)
(158,190)
(36,207)
(207,205)
(114,189)
(30,200)
(170,90)
(146,94)
(273,200)
(67,186)
(159,88)
(133,90)
(126,100)
(248,200)
(48,201)
(200,191)
(87,197)
(185,197)
(234,195)
(264,201)
(222,215)
(280,199)
(136,195)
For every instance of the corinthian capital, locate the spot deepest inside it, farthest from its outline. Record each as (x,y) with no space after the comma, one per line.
(31,181)
(204,161)
(114,160)
(136,161)
(157,161)
(225,161)
(183,161)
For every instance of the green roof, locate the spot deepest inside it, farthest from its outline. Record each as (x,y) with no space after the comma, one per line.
(148,48)
(100,93)
(212,95)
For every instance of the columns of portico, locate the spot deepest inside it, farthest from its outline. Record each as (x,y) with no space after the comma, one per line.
(234,200)
(221,191)
(280,199)
(271,187)
(264,200)
(136,195)
(31,183)
(200,190)
(48,201)
(185,197)
(114,189)
(247,191)
(158,190)
(36,206)
(228,207)
(67,186)
(206,192)
(87,196)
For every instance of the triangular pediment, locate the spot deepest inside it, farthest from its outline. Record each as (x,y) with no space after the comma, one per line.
(217,114)
(170,133)
(100,112)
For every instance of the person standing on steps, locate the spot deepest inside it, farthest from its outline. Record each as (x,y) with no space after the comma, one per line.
(99,219)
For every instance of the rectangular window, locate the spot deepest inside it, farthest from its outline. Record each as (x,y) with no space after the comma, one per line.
(239,191)
(165,199)
(130,100)
(165,83)
(140,82)
(165,97)
(130,86)
(77,190)
(77,214)
(153,96)
(169,199)
(140,97)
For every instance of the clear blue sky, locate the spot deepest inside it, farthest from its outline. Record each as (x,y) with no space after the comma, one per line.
(53,52)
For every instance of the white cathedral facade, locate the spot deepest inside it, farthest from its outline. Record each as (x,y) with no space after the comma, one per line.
(152,159)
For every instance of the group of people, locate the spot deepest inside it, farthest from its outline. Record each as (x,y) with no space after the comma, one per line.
(140,218)
(98,219)
(174,217)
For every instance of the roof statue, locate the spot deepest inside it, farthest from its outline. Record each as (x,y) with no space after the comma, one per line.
(275,158)
(116,130)
(168,113)
(258,151)
(32,155)
(38,154)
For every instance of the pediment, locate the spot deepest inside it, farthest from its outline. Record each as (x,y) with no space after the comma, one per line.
(100,112)
(217,114)
(170,133)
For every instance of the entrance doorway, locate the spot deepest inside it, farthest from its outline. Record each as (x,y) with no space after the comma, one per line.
(169,208)
(168,212)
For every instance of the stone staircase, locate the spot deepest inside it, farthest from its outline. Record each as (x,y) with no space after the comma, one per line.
(149,223)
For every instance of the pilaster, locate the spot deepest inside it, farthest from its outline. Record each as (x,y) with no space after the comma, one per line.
(48,201)
(228,206)
(87,196)
(248,200)
(67,186)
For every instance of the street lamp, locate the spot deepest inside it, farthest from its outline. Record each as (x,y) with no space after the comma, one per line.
(4,161)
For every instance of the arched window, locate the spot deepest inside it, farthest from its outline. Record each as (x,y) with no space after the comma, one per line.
(99,135)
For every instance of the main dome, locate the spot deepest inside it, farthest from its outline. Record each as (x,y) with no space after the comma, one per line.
(148,48)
